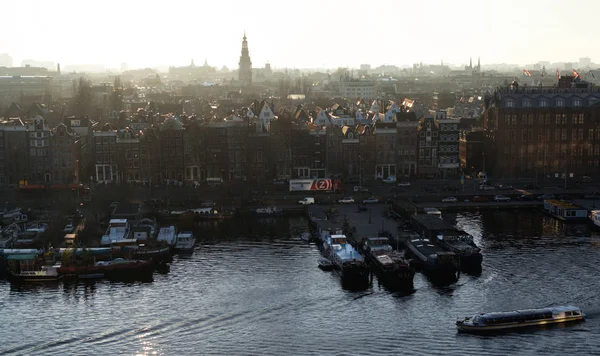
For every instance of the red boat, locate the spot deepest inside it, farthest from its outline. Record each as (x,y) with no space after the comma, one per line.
(117,269)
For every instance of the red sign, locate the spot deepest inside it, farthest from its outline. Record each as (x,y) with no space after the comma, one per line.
(321,184)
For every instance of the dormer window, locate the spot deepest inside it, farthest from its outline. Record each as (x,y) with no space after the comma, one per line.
(543,103)
(527,103)
(560,103)
(576,102)
(510,104)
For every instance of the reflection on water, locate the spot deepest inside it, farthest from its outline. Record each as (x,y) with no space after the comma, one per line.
(254,288)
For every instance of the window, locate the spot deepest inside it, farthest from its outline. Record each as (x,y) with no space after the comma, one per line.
(560,103)
(526,103)
(543,103)
(576,102)
(510,104)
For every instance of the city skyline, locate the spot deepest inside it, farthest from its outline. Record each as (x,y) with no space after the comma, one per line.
(326,35)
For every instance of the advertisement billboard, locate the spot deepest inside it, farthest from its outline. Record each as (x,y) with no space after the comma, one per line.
(299,185)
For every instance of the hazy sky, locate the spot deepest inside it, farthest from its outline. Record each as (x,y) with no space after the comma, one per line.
(307,33)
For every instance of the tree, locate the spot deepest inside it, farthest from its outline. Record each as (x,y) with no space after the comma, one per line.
(82,103)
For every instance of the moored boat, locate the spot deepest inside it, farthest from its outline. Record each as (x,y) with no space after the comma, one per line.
(565,211)
(325,264)
(390,266)
(349,264)
(449,238)
(440,264)
(44,275)
(185,242)
(118,229)
(595,218)
(269,211)
(117,269)
(501,321)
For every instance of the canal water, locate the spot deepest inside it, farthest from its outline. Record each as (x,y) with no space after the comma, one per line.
(254,288)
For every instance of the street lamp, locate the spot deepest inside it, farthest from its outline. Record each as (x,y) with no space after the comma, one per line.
(483,162)
(359,171)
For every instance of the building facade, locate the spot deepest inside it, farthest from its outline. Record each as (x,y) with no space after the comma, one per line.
(63,151)
(39,150)
(549,131)
(448,147)
(428,139)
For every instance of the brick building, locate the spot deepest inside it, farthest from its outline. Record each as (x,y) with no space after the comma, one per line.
(545,130)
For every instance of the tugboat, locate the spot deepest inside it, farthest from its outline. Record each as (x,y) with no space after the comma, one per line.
(347,262)
(390,266)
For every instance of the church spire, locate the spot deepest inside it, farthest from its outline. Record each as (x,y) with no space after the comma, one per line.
(245,70)
(471,62)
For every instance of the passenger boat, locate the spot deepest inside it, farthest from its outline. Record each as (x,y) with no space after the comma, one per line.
(595,218)
(565,211)
(449,238)
(185,242)
(439,263)
(349,264)
(499,321)
(391,266)
(45,274)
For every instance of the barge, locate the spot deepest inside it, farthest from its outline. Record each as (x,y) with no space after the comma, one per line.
(390,266)
(347,262)
(440,264)
(503,321)
(449,238)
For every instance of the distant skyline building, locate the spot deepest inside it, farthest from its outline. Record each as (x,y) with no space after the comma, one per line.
(245,70)
(6,60)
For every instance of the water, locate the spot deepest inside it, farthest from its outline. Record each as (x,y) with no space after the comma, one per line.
(245,293)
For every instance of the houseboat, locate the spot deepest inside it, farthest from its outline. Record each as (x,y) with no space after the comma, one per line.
(185,242)
(349,264)
(501,321)
(595,219)
(118,229)
(440,264)
(390,266)
(565,211)
(449,238)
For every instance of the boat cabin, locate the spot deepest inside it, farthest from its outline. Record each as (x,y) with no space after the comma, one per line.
(433,211)
(565,211)
(338,239)
(118,229)
(377,244)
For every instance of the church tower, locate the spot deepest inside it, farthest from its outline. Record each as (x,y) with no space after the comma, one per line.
(245,71)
